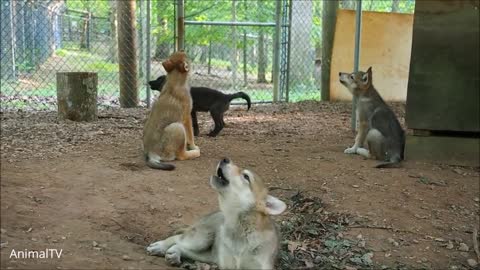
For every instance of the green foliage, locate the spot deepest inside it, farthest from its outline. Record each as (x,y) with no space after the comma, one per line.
(163,27)
(61,52)
(25,66)
(99,8)
(404,6)
(102,66)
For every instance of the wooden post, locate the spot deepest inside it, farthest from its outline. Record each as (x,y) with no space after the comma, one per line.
(77,95)
(180,40)
(113,32)
(127,54)
(329,20)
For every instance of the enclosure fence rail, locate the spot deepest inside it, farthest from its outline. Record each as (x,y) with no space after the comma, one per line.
(258,61)
(277,56)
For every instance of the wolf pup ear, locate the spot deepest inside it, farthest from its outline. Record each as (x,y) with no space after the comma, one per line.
(168,65)
(274,206)
(367,76)
(183,67)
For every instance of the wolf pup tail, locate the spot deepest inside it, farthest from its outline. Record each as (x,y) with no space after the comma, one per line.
(158,164)
(393,163)
(241,95)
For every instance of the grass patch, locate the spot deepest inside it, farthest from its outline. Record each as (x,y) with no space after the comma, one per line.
(102,67)
(61,52)
(251,69)
(41,85)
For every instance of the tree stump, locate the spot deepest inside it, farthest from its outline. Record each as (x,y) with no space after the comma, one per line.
(77,95)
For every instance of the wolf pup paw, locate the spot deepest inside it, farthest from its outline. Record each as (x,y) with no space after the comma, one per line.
(363,152)
(192,147)
(157,249)
(351,150)
(173,257)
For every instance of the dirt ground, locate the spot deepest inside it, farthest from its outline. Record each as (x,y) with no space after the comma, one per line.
(83,188)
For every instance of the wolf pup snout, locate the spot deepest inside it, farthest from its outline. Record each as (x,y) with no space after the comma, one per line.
(220,180)
(239,236)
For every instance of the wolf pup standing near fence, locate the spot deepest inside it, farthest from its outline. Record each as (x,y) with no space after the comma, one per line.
(239,236)
(204,100)
(168,131)
(379,127)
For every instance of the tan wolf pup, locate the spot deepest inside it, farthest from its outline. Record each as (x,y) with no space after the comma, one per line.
(379,127)
(168,133)
(239,236)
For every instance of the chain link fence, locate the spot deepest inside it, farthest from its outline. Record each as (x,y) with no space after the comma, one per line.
(396,6)
(231,45)
(42,37)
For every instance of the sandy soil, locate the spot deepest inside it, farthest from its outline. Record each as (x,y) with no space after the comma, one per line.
(83,188)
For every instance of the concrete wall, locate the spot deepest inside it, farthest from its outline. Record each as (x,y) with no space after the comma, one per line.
(386,43)
(443,88)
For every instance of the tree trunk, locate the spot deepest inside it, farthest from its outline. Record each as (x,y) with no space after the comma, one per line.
(127,54)
(77,95)
(261,58)
(209,71)
(113,32)
(29,35)
(84,37)
(245,64)
(203,54)
(262,61)
(329,18)
(20,32)
(395,6)
(7,48)
(69,23)
(317,73)
(266,53)
(162,50)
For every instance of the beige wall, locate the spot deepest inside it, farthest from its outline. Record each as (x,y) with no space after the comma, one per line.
(386,43)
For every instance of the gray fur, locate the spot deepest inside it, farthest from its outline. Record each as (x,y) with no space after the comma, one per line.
(379,128)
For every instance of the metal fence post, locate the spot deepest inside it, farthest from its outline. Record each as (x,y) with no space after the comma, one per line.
(180,44)
(89,26)
(234,49)
(141,46)
(356,58)
(148,60)
(287,97)
(29,52)
(276,51)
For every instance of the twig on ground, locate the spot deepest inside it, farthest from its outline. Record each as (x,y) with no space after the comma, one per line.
(381,228)
(129,127)
(372,227)
(118,223)
(280,188)
(475,238)
(118,116)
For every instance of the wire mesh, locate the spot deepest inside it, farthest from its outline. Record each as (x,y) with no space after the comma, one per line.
(42,37)
(396,6)
(305,51)
(229,58)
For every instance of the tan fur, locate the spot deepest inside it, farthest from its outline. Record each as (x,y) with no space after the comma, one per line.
(239,236)
(168,132)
